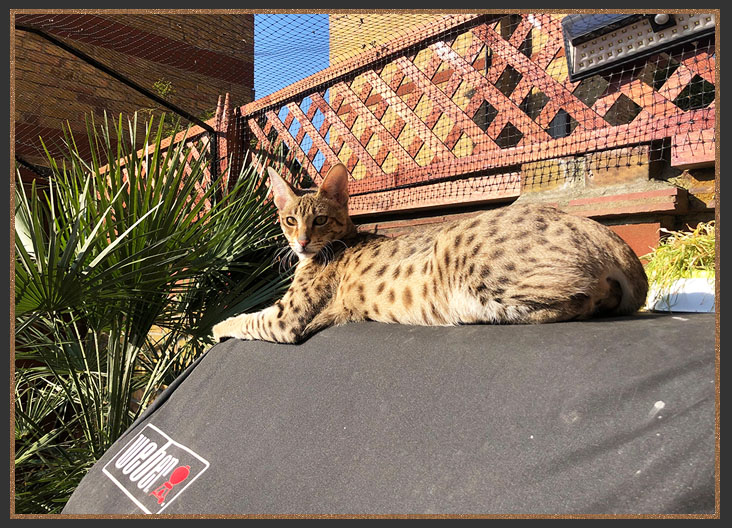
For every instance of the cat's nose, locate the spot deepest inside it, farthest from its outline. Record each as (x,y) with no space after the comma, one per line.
(303,242)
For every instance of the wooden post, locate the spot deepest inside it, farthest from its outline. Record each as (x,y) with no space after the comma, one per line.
(229,141)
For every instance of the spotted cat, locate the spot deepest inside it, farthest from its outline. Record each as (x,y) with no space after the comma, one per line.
(517,264)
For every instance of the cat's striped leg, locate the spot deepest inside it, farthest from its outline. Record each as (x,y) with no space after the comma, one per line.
(245,326)
(283,322)
(286,321)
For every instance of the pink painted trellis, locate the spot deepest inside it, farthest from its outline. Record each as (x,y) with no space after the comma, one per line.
(451,112)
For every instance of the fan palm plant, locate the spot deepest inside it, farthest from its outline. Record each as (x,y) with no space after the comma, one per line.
(122,265)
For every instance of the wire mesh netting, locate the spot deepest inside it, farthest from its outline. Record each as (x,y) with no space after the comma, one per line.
(72,66)
(424,109)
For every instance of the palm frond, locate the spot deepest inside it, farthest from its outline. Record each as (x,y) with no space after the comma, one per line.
(122,265)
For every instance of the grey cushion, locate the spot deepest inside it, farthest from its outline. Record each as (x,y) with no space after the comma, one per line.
(605,416)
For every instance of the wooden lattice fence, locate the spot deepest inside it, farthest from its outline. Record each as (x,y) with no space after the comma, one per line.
(474,108)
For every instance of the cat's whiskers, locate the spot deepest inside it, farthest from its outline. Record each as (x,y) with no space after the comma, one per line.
(327,253)
(285,255)
(345,246)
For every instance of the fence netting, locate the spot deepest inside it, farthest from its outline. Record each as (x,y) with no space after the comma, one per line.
(71,66)
(424,109)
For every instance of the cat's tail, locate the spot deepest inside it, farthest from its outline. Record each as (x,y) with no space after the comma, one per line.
(628,284)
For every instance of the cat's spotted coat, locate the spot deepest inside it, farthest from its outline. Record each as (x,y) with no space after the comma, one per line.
(515,264)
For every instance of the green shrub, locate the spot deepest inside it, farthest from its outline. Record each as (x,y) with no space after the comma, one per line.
(682,254)
(120,273)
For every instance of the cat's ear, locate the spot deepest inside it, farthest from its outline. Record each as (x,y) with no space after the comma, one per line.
(335,184)
(281,190)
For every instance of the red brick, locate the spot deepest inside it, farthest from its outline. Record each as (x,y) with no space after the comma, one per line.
(640,237)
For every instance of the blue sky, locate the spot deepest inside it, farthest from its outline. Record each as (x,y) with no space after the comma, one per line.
(287,48)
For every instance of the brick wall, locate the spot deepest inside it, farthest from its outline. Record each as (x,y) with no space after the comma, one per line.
(199,57)
(351,34)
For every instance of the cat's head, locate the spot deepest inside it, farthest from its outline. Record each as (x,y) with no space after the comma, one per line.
(312,218)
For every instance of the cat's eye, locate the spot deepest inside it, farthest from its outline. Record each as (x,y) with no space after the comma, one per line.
(320,220)
(291,221)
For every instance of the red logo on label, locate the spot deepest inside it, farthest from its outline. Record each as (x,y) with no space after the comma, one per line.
(178,476)
(153,470)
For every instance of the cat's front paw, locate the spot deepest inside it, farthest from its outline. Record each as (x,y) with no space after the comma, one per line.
(218,333)
(232,327)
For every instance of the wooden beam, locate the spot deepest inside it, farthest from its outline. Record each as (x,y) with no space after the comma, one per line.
(261,136)
(653,104)
(265,145)
(552,28)
(676,82)
(310,114)
(703,64)
(290,142)
(672,200)
(492,94)
(694,149)
(447,105)
(482,189)
(310,129)
(578,143)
